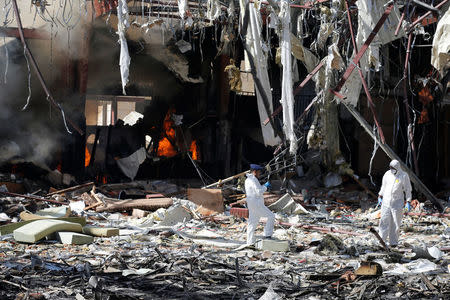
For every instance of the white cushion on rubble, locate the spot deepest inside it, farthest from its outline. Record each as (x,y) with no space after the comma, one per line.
(34,231)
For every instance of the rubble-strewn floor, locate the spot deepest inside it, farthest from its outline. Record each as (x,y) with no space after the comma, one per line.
(197,260)
(176,253)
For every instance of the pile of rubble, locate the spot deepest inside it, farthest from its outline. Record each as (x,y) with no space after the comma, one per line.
(148,240)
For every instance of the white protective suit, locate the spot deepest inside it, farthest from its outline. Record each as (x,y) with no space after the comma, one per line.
(394,189)
(256,208)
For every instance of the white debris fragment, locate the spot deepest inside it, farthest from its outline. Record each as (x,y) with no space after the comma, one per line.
(287,96)
(369,13)
(255,45)
(440,53)
(435,252)
(182,8)
(183,46)
(4,217)
(332,180)
(213,10)
(77,206)
(130,165)
(270,294)
(122,25)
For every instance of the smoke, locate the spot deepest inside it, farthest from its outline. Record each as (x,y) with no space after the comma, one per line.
(35,134)
(30,135)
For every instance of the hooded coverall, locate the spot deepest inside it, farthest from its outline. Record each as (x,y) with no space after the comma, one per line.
(396,185)
(256,208)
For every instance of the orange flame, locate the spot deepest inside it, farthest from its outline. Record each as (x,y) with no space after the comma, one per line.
(87,157)
(194,150)
(165,147)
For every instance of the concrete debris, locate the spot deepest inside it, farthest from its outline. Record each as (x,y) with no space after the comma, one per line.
(288,205)
(139,213)
(270,294)
(330,244)
(163,236)
(272,245)
(351,251)
(332,180)
(175,215)
(100,231)
(73,238)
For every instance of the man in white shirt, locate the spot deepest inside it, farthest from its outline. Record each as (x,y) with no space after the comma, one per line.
(395,187)
(255,203)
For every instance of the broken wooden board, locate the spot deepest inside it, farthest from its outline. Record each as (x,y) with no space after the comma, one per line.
(53,213)
(84,186)
(129,204)
(33,232)
(9,228)
(101,231)
(73,238)
(210,199)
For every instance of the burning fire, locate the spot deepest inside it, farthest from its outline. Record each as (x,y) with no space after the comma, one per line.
(165,147)
(87,157)
(194,150)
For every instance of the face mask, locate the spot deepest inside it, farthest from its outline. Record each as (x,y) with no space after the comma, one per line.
(394,171)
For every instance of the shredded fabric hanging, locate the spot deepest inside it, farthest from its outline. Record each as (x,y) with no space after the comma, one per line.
(123,24)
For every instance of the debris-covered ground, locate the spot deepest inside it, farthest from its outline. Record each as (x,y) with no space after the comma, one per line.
(172,248)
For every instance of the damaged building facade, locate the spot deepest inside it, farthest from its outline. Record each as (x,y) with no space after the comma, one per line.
(142,117)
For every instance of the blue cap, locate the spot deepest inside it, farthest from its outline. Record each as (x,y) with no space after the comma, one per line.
(256,167)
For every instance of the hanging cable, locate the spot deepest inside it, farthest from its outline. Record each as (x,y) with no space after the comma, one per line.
(375,148)
(29,77)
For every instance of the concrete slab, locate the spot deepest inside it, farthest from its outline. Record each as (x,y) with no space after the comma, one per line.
(34,231)
(101,231)
(272,245)
(281,203)
(73,238)
(287,205)
(175,215)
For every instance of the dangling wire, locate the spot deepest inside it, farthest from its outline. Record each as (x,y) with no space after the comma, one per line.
(29,77)
(190,158)
(375,148)
(7,60)
(64,118)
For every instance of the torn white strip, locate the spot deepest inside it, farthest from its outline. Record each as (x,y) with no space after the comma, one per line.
(287,96)
(123,24)
(255,44)
(182,8)
(440,53)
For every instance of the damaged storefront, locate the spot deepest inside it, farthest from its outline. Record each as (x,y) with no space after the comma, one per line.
(131,130)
